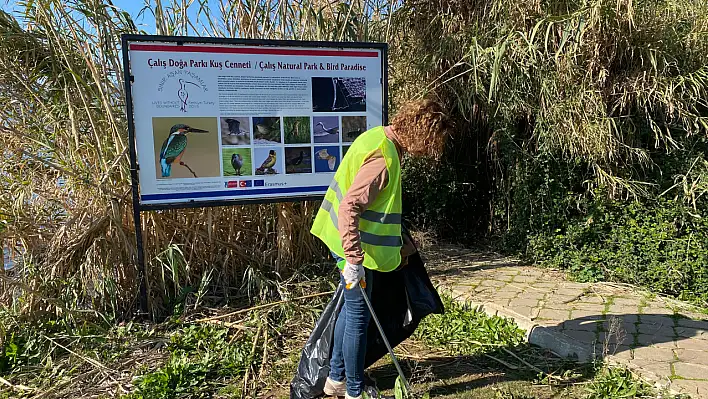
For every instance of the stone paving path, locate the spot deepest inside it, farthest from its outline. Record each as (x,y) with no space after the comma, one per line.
(662,340)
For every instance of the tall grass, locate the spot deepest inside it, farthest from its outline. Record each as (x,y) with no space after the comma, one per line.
(65,169)
(606,85)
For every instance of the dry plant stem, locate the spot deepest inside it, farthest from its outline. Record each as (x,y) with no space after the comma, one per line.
(529,365)
(267,305)
(253,353)
(18,387)
(90,361)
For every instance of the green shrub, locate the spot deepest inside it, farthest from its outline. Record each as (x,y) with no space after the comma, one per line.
(660,245)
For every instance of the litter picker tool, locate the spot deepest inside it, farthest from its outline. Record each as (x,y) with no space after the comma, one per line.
(383,336)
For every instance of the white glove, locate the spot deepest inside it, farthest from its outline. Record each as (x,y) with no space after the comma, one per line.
(352,274)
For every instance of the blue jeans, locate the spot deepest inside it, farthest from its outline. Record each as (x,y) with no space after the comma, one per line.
(349,348)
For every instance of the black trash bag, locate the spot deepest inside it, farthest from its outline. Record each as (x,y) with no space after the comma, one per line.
(313,369)
(401,299)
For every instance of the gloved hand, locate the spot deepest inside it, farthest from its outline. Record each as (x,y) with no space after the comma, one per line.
(353,274)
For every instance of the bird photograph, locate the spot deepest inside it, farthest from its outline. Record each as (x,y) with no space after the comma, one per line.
(326,160)
(266,130)
(269,159)
(296,129)
(352,127)
(326,129)
(235,131)
(236,161)
(338,94)
(298,160)
(174,146)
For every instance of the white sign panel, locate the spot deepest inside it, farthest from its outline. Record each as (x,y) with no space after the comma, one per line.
(224,122)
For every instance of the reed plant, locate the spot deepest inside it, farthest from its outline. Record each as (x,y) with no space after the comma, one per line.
(66,198)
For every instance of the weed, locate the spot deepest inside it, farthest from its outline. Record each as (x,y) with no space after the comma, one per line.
(464,330)
(616,383)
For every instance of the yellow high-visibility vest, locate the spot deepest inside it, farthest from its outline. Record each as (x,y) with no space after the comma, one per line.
(380,225)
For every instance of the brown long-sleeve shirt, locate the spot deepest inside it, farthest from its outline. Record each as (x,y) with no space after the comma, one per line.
(369,181)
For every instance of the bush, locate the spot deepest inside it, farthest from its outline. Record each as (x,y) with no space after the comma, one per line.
(659,245)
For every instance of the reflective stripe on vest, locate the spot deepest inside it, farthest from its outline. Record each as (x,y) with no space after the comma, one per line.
(368,238)
(372,216)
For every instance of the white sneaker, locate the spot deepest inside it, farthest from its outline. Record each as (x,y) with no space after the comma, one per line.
(352,397)
(334,388)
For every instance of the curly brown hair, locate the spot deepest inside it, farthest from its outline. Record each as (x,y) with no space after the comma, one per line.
(422,127)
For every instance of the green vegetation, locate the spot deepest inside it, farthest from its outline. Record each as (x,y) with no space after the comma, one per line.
(566,109)
(255,353)
(616,384)
(201,361)
(297,129)
(466,331)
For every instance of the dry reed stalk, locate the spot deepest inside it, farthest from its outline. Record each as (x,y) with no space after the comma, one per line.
(81,231)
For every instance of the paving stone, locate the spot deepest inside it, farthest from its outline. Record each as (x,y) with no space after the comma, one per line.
(552,314)
(692,344)
(661,339)
(590,298)
(621,352)
(524,278)
(629,302)
(698,389)
(658,369)
(693,356)
(582,325)
(492,283)
(654,354)
(622,310)
(695,324)
(546,286)
(571,292)
(657,311)
(691,370)
(650,329)
(615,339)
(586,315)
(526,311)
(658,320)
(523,302)
(578,287)
(686,332)
(656,341)
(626,323)
(596,308)
(505,294)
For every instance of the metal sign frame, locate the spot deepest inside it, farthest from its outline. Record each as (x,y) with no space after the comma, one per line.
(127,39)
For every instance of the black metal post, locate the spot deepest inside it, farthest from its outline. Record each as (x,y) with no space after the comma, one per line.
(142,277)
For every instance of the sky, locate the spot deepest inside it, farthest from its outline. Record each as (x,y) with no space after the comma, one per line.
(145,22)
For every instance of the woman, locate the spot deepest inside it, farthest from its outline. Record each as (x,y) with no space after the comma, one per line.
(360,222)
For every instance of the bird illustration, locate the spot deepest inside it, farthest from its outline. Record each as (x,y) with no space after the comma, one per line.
(183,94)
(331,159)
(298,159)
(325,131)
(237,163)
(235,127)
(268,163)
(174,146)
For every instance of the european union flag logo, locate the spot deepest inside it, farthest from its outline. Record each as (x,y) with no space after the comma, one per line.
(259,183)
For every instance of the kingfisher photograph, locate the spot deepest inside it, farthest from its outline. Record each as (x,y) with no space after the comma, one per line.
(186,147)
